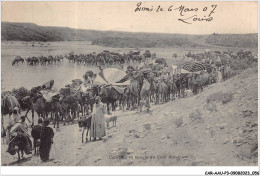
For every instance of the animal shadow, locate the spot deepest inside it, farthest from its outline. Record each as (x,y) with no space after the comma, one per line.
(111,127)
(23,160)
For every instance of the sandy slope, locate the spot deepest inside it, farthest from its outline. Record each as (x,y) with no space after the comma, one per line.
(226,135)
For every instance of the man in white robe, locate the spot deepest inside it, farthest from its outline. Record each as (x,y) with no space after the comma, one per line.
(97,129)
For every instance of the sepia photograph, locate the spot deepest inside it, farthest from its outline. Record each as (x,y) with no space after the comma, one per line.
(129,83)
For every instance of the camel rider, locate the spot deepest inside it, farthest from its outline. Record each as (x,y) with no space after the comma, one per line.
(21,129)
(48,85)
(14,118)
(89,77)
(87,81)
(23,126)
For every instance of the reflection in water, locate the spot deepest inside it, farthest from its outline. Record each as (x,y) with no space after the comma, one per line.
(31,76)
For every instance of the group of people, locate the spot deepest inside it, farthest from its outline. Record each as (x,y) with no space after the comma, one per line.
(18,138)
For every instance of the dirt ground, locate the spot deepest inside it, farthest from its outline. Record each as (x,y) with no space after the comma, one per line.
(185,132)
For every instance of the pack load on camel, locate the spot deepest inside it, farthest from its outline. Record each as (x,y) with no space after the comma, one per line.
(161,61)
(113,87)
(199,75)
(143,72)
(111,76)
(88,78)
(75,85)
(76,82)
(168,69)
(157,67)
(48,85)
(65,91)
(47,91)
(145,69)
(194,67)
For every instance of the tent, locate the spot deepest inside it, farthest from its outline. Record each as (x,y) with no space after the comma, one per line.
(111,76)
(192,66)
(185,71)
(208,67)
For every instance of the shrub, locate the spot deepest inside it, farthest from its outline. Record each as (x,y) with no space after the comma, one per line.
(227,97)
(147,126)
(214,97)
(178,122)
(122,153)
(211,107)
(221,97)
(195,115)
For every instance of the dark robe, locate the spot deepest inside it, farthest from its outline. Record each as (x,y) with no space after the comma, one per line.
(46,141)
(36,134)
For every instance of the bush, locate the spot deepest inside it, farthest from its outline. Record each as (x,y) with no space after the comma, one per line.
(211,107)
(214,97)
(221,97)
(195,115)
(147,127)
(178,122)
(227,97)
(242,64)
(123,153)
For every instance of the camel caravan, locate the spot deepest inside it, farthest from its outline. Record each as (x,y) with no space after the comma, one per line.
(41,60)
(136,88)
(105,58)
(155,82)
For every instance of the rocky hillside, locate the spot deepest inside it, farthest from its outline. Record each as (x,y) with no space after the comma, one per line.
(33,32)
(233,40)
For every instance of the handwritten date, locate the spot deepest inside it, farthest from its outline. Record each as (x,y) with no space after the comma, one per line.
(185,14)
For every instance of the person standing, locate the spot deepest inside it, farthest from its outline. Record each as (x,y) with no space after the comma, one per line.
(97,129)
(36,134)
(47,135)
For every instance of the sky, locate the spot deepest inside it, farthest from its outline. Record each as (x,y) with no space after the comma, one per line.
(227,17)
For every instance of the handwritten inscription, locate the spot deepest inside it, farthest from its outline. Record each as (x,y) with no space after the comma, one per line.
(185,14)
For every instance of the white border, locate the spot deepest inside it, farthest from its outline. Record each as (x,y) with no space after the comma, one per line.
(126,170)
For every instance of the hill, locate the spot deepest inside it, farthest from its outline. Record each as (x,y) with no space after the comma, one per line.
(233,40)
(33,32)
